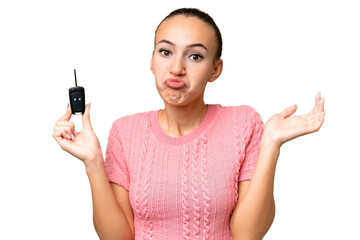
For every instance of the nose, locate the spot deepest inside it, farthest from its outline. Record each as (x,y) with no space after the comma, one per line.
(177,66)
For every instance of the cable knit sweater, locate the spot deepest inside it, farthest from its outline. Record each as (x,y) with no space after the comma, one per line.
(184,187)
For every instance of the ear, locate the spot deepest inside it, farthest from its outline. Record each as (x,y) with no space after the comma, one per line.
(217,70)
(152,63)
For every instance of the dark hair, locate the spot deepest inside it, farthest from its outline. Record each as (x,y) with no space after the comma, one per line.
(194,12)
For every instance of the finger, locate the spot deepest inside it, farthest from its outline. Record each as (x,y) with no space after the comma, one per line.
(61,134)
(63,142)
(67,124)
(67,115)
(86,117)
(316,107)
(322,104)
(58,137)
(287,112)
(317,98)
(64,132)
(57,134)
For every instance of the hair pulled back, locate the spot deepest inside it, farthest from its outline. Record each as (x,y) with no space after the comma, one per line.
(194,12)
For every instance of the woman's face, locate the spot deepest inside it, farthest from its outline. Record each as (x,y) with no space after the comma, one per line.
(183,60)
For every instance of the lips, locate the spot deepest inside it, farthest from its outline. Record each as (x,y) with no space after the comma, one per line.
(174,83)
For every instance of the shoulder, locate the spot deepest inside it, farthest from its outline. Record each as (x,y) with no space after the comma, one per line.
(248,122)
(241,113)
(135,120)
(127,126)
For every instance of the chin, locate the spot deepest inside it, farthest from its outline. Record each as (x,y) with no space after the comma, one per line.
(175,102)
(174,99)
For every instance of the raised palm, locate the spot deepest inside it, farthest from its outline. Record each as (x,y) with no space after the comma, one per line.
(283,127)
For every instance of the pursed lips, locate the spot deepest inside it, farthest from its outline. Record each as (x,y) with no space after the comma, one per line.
(175,83)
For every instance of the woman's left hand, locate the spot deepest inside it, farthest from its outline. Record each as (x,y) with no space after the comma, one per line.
(283,127)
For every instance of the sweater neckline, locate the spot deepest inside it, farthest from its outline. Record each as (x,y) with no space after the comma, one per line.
(163,137)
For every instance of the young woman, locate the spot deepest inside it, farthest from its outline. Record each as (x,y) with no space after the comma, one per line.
(191,170)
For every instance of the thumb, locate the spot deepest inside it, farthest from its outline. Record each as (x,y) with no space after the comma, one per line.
(287,112)
(86,117)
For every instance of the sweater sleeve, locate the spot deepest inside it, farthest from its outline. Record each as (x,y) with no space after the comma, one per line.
(115,162)
(252,147)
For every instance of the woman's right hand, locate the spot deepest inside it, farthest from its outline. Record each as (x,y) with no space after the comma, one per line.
(84,144)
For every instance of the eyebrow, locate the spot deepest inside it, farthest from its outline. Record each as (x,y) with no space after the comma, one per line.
(189,46)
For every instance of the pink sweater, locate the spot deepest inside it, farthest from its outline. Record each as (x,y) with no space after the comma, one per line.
(184,187)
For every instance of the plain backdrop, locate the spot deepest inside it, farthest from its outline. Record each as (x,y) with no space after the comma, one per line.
(276,53)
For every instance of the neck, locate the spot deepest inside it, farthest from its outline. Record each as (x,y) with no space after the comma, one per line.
(177,121)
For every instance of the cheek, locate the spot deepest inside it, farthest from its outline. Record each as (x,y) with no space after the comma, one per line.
(159,71)
(201,73)
(159,66)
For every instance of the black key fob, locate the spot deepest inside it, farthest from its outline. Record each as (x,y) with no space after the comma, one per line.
(77,98)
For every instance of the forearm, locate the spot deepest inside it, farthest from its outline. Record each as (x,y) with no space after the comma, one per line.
(255,212)
(109,220)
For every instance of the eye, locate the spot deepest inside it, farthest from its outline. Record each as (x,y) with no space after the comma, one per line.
(165,53)
(196,57)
